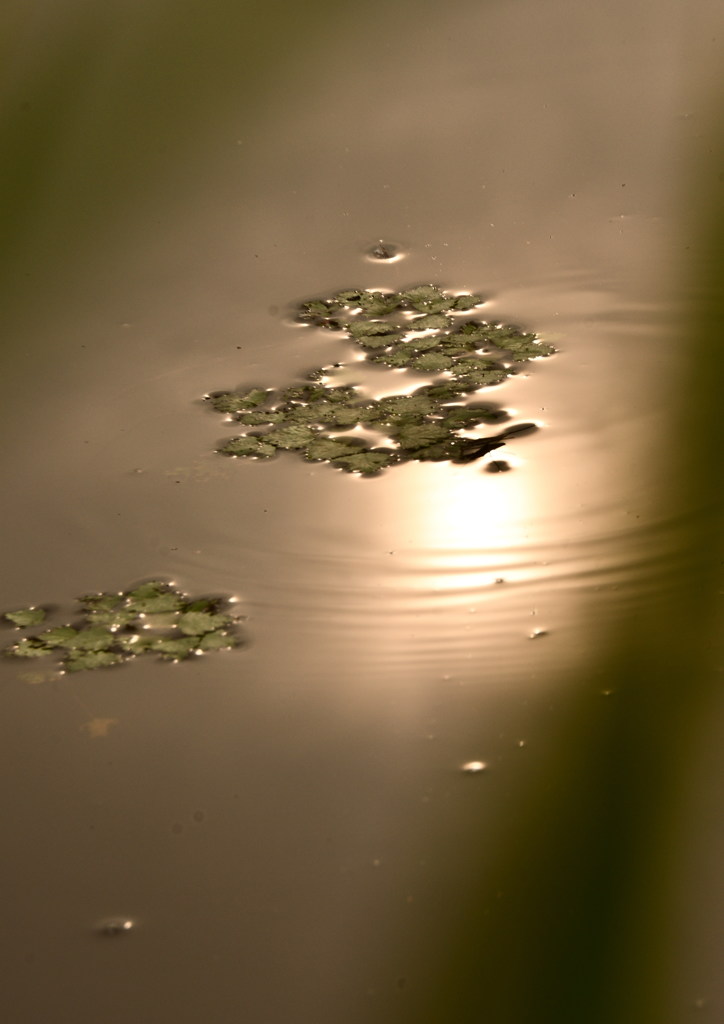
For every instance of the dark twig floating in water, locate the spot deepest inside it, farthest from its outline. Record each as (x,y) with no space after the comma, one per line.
(421,329)
(474,449)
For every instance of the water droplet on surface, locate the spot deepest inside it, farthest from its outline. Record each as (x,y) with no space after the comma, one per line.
(473,767)
(112,927)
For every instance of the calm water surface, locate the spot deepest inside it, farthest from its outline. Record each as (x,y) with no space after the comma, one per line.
(279,824)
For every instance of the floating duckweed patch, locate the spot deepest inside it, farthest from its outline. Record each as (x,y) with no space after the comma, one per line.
(422,329)
(26,617)
(112,628)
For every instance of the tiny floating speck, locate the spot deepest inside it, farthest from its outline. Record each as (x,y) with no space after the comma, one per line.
(473,767)
(115,926)
(538,633)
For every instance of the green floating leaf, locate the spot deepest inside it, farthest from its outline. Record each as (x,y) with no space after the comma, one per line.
(290,437)
(483,379)
(397,358)
(31,648)
(104,602)
(325,448)
(364,330)
(218,640)
(379,303)
(258,419)
(175,648)
(91,638)
(457,345)
(463,302)
(197,623)
(151,589)
(475,331)
(430,342)
(318,307)
(83,660)
(114,618)
(204,604)
(525,349)
(153,598)
(465,416)
(396,407)
(234,401)
(342,416)
(443,451)
(506,332)
(341,394)
(334,414)
(431,322)
(135,643)
(366,462)
(447,392)
(160,620)
(255,446)
(427,298)
(61,636)
(303,393)
(420,435)
(351,298)
(378,341)
(26,617)
(473,364)
(432,362)
(298,413)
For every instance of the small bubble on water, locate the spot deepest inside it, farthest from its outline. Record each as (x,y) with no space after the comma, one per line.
(473,767)
(115,926)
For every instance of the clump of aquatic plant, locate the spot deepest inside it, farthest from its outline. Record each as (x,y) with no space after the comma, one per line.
(423,329)
(113,627)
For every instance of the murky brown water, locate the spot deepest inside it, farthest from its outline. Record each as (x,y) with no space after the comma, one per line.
(276,820)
